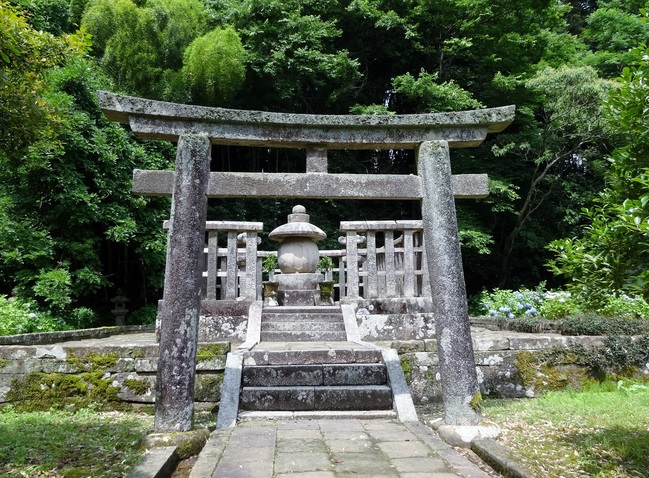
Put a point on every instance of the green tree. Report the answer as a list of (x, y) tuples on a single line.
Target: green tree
[(52, 16), (563, 142), (612, 252), (214, 67), (294, 58), (431, 96), (72, 228), (142, 47), (25, 54), (612, 31)]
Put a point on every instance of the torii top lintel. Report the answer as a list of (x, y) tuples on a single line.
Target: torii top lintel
[(168, 121)]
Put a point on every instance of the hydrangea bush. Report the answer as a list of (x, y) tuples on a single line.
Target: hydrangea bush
[(551, 305), (510, 304)]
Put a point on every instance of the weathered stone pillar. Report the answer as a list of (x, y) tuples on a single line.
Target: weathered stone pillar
[(174, 404), (460, 390)]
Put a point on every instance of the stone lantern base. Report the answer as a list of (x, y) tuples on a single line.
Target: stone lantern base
[(299, 289)]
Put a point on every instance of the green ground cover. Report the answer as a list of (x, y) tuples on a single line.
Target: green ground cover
[(600, 431), (64, 444)]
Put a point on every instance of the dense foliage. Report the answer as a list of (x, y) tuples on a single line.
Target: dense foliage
[(612, 253), (72, 233)]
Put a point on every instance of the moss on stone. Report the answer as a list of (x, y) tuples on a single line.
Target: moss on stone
[(555, 369), (3, 362), (187, 443), (93, 361), (93, 384), (407, 369), (476, 402), (207, 352), (139, 387), (208, 387), (41, 391), (136, 353)]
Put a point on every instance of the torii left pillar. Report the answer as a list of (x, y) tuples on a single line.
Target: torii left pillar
[(176, 376)]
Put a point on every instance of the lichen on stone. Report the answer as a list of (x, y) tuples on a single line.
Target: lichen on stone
[(136, 353), (187, 443)]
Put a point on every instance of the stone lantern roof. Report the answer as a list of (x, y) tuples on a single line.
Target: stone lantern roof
[(298, 225)]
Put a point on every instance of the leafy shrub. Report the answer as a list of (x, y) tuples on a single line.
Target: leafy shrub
[(553, 305), (595, 324), (19, 317), (270, 264), (325, 264), (557, 305), (619, 357), (82, 318), (626, 307), (54, 286), (143, 316)]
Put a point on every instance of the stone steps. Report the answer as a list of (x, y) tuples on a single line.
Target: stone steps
[(302, 324), (310, 325), (325, 379), (302, 336), (314, 375), (368, 397), (298, 317), (307, 356)]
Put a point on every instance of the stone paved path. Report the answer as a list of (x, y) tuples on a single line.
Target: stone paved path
[(331, 448)]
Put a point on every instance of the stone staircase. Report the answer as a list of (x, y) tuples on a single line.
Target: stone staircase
[(299, 324), (317, 377)]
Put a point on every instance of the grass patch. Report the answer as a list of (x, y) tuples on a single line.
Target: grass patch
[(601, 431), (62, 443)]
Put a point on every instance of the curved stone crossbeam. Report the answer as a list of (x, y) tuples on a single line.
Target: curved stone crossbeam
[(168, 121)]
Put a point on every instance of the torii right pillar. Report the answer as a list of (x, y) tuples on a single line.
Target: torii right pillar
[(460, 390)]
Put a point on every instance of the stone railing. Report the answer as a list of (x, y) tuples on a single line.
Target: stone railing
[(391, 264), (226, 275), (389, 256)]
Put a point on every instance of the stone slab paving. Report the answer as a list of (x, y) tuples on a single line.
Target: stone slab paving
[(330, 448)]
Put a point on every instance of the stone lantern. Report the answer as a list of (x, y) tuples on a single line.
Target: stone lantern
[(120, 309), (298, 258)]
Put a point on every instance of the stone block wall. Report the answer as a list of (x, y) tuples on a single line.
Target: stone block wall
[(125, 365), (118, 368), (394, 319), (497, 355)]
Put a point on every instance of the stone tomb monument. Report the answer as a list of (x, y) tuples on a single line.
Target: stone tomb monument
[(196, 128), (298, 257)]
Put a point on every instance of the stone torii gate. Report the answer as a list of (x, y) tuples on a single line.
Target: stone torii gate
[(196, 128)]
